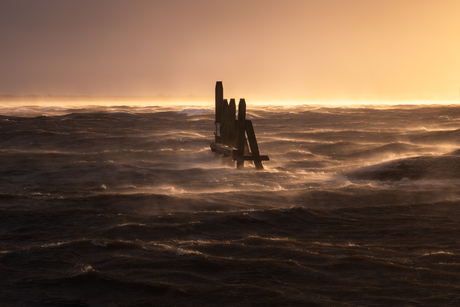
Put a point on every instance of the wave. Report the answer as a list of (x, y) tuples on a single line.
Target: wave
[(129, 206), (415, 168), (196, 111), (437, 137)]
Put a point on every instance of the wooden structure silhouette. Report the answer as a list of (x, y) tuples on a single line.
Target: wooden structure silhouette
[(230, 135)]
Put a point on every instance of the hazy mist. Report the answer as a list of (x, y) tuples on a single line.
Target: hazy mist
[(262, 50)]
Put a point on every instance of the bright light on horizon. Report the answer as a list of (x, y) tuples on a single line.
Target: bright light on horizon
[(74, 103), (362, 103)]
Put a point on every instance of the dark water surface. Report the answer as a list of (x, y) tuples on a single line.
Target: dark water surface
[(128, 206)]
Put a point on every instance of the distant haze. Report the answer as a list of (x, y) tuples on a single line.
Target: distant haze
[(261, 49)]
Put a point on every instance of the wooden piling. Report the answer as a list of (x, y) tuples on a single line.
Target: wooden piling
[(231, 129), (218, 104), (224, 125), (241, 137)]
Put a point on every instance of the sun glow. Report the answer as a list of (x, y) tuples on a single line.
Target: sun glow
[(38, 105), (301, 52)]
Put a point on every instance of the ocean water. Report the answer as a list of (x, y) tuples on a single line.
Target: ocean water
[(128, 206)]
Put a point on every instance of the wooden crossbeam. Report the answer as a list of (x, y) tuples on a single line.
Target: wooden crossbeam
[(233, 152), (251, 158)]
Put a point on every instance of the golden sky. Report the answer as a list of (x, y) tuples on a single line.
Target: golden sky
[(260, 49)]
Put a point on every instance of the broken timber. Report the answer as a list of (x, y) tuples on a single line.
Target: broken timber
[(230, 135)]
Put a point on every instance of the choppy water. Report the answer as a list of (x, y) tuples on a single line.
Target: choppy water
[(128, 206)]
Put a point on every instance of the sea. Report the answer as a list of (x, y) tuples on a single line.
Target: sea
[(128, 206)]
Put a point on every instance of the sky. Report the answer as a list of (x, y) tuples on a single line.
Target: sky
[(278, 50)]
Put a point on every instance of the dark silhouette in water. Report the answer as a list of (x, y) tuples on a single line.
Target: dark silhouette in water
[(230, 134)]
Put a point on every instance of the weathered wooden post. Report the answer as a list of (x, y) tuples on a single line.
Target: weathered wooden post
[(229, 123), (232, 132), (224, 124), (218, 122), (241, 135)]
